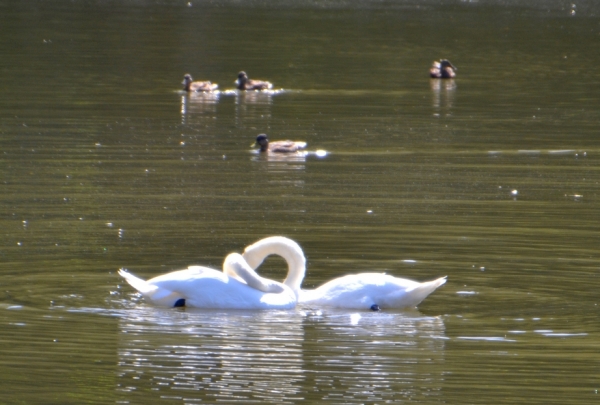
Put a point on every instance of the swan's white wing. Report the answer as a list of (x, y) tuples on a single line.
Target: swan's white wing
[(352, 291), (360, 291), (191, 273), (202, 287), (166, 289)]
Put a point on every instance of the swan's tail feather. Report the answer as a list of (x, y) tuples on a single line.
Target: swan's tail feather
[(141, 285), (158, 296), (421, 291)]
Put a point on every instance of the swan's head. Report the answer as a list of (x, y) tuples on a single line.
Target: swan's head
[(255, 254)]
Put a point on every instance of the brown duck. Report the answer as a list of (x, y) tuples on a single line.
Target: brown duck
[(244, 83), (442, 70), (278, 146), (190, 85)]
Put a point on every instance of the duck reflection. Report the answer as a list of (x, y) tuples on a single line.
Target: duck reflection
[(253, 108), (204, 103), (245, 98), (278, 356), (282, 161), (443, 94), (285, 169)]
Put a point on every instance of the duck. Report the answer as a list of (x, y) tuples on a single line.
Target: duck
[(237, 286), (278, 146), (190, 85), (367, 291), (244, 83), (442, 69)]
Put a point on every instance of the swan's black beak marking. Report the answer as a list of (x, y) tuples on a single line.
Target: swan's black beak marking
[(375, 307), (179, 303)]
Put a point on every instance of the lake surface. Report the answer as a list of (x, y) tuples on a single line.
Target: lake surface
[(491, 179)]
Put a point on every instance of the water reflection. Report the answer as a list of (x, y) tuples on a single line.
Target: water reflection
[(199, 103), (238, 355), (443, 94), (253, 109), (278, 356), (100, 143), (281, 161), (284, 171), (243, 99), (287, 168), (374, 357)]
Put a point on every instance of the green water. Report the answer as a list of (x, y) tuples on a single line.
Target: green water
[(490, 179)]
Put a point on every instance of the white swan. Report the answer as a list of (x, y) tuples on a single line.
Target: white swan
[(357, 291), (236, 287)]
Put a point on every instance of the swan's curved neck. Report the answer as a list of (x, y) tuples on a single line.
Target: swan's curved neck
[(284, 247)]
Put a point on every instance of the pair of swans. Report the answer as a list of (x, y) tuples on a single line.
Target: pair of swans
[(238, 286)]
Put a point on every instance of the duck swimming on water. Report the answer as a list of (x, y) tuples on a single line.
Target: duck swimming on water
[(278, 146), (442, 70), (190, 85), (244, 83)]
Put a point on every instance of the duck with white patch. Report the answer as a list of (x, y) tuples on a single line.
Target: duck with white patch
[(442, 70), (278, 146), (245, 83), (190, 85)]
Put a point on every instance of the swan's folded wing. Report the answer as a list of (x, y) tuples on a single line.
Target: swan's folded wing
[(366, 289)]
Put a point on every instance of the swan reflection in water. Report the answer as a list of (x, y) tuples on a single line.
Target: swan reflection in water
[(211, 355), (277, 357)]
